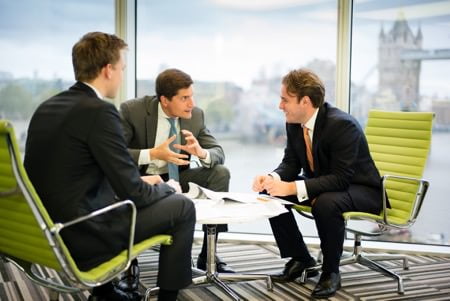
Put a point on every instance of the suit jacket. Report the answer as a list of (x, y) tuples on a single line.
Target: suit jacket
[(77, 159), (342, 161), (140, 119)]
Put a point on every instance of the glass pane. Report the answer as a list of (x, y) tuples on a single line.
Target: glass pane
[(401, 61), (236, 53), (36, 39)]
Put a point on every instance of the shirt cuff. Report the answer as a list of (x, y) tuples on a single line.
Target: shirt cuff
[(302, 194), (144, 157), (275, 176), (207, 161)]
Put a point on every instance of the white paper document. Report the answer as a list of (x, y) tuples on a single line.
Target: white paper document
[(228, 207), (198, 192)]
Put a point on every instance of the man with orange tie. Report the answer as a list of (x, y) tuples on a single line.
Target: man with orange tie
[(326, 164)]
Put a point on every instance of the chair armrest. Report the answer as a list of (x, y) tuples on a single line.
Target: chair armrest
[(420, 195), (59, 226), (304, 210)]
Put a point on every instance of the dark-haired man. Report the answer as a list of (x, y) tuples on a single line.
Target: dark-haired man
[(338, 175), (77, 159), (155, 143)]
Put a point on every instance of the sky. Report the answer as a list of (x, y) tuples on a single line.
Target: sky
[(218, 40)]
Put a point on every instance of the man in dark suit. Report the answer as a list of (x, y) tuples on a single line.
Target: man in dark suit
[(336, 174), (147, 129), (77, 159)]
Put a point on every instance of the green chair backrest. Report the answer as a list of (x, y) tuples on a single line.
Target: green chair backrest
[(22, 235), (399, 143)]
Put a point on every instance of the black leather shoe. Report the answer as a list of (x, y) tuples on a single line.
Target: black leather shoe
[(221, 267), (327, 286), (115, 294), (130, 279), (294, 269)]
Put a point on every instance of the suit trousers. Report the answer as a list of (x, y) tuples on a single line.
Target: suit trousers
[(173, 215), (327, 212)]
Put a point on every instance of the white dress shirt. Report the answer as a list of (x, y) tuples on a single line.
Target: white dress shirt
[(99, 95), (156, 166)]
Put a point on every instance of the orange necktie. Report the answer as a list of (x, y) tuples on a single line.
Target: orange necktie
[(309, 154)]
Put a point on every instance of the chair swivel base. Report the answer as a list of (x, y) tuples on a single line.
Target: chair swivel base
[(370, 262), (218, 280)]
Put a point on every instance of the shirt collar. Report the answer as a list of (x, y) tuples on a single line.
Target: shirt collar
[(99, 95), (312, 121)]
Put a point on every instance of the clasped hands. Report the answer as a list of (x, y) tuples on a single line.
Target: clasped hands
[(155, 179), (163, 151), (274, 187)]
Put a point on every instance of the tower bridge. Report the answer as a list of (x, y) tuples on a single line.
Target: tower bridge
[(425, 54)]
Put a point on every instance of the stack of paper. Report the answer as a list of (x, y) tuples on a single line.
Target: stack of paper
[(227, 207)]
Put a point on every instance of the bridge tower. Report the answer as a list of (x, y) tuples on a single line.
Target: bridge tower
[(397, 77)]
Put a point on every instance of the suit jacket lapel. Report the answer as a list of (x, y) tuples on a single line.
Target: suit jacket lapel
[(151, 120), (185, 124)]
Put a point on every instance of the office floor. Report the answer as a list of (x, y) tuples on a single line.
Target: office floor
[(427, 279)]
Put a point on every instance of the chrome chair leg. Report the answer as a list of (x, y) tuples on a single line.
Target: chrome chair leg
[(379, 268), (150, 292), (389, 257)]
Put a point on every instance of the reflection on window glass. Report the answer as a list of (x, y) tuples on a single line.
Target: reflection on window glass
[(401, 62), (36, 39), (236, 53)]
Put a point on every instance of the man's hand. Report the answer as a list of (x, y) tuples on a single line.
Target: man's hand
[(175, 185), (278, 188), (163, 152), (258, 182), (152, 180), (192, 146)]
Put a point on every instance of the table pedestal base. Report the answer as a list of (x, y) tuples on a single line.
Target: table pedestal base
[(211, 276)]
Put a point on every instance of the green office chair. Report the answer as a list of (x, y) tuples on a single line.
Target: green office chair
[(399, 143), (28, 236)]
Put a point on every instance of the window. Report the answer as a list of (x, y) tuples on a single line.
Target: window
[(401, 61), (36, 38), (236, 53)]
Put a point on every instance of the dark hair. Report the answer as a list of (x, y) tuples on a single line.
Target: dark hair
[(170, 81), (94, 51), (303, 82)]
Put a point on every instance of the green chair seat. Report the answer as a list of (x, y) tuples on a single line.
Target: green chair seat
[(114, 263)]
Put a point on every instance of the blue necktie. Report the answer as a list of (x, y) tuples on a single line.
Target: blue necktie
[(173, 168)]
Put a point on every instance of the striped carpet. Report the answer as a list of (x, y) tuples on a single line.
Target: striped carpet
[(427, 279)]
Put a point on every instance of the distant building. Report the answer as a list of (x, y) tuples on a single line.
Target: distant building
[(5, 76), (398, 77), (442, 109)]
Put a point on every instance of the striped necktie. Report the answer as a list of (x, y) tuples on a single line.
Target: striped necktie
[(308, 147)]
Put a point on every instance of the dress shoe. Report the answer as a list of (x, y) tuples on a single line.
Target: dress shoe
[(115, 294), (130, 279), (327, 286), (221, 267), (294, 269)]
